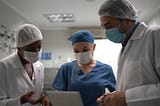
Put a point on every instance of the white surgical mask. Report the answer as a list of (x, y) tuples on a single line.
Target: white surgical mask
[(84, 57), (32, 57)]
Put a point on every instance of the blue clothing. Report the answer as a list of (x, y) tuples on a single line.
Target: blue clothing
[(82, 36), (90, 85)]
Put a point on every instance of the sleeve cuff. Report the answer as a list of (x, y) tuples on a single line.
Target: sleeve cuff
[(14, 102)]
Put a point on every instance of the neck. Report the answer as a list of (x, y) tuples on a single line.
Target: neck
[(85, 68), (132, 29), (91, 63)]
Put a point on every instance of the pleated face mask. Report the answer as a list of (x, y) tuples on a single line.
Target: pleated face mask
[(32, 57), (115, 35), (84, 57)]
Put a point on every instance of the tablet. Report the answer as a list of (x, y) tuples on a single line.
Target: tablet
[(65, 98)]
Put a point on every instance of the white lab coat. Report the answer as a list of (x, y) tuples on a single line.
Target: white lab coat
[(14, 81), (139, 68)]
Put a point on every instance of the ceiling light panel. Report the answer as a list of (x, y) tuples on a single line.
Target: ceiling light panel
[(60, 17)]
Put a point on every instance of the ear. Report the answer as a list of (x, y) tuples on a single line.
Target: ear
[(94, 46), (19, 50), (126, 24)]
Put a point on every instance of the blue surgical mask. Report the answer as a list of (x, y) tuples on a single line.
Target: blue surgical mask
[(115, 35)]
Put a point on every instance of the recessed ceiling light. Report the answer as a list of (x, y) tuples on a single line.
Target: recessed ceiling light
[(60, 17)]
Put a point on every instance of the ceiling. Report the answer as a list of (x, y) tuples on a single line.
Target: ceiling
[(85, 11)]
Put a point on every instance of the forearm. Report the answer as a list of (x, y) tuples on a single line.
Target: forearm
[(10, 102), (143, 95)]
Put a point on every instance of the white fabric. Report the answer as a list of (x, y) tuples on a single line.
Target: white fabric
[(118, 9), (14, 81), (139, 68), (27, 34)]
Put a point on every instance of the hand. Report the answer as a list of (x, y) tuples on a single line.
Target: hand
[(102, 99), (113, 99), (28, 98), (45, 101)]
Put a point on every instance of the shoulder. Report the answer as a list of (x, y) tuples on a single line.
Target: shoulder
[(11, 59), (39, 64), (68, 67), (69, 64), (153, 30), (100, 64)]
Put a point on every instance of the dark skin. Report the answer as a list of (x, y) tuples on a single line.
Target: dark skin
[(28, 98), (33, 47)]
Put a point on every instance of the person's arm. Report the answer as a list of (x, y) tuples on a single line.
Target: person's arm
[(110, 78), (149, 94), (146, 95), (17, 101), (10, 102), (60, 81), (44, 99), (4, 101)]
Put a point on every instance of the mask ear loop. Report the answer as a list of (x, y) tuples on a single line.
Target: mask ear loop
[(120, 24)]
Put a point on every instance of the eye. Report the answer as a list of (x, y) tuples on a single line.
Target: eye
[(85, 50), (33, 49), (76, 51), (108, 25)]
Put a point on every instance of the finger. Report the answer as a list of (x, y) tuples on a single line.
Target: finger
[(105, 100), (30, 93), (99, 99), (106, 94), (46, 103)]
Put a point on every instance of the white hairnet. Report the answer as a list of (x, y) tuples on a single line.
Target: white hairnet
[(118, 9), (27, 34)]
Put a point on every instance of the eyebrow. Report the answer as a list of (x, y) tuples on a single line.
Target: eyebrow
[(82, 48), (107, 23)]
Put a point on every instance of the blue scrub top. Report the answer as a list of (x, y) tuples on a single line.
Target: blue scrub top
[(90, 85)]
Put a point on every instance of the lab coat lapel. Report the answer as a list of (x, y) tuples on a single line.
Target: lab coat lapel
[(28, 80), (38, 77), (18, 65), (37, 71), (138, 33)]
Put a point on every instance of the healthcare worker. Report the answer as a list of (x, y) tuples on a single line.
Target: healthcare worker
[(21, 74), (138, 77), (86, 75)]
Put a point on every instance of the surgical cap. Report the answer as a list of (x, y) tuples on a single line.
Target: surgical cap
[(82, 36), (118, 9), (27, 34)]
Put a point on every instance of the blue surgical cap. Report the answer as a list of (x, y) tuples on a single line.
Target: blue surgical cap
[(82, 36)]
